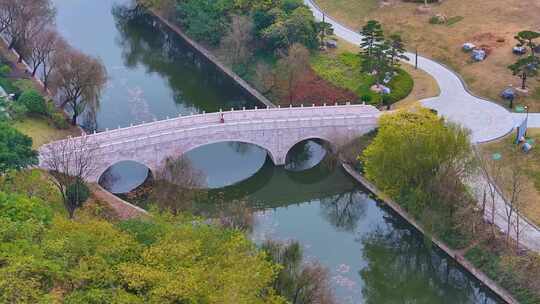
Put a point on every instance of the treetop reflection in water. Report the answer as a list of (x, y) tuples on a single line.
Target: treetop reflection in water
[(373, 255)]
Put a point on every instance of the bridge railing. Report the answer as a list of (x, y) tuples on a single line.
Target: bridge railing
[(234, 129), (250, 117), (235, 115)]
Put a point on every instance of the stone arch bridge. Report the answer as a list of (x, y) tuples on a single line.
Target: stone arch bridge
[(276, 130)]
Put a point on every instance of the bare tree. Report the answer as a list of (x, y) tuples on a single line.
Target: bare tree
[(292, 66), (8, 9), (79, 79), (491, 172), (29, 18), (41, 47), (69, 161), (238, 39), (177, 185), (512, 183), (53, 59), (265, 78)]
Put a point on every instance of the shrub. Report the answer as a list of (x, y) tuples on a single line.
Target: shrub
[(59, 121), (76, 195), (24, 84), (33, 101), (17, 111), (401, 86), (9, 87), (5, 70)]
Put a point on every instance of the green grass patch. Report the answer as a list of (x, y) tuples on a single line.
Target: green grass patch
[(344, 71), (40, 130)]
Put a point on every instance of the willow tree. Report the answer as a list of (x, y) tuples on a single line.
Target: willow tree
[(79, 79)]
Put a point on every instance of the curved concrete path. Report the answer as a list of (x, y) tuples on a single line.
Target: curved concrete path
[(486, 120)]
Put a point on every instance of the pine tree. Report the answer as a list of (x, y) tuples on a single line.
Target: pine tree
[(372, 38), (396, 50)]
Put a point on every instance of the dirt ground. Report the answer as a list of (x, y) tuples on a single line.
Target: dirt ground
[(490, 23), (531, 161)]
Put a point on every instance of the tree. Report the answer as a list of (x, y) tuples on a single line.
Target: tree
[(16, 151), (297, 282), (238, 39), (30, 17), (76, 195), (420, 160), (292, 23), (41, 48), (291, 67), (178, 185), (528, 66), (53, 57), (7, 14), (79, 78), (324, 29), (70, 161), (512, 183), (528, 39), (240, 274), (372, 37), (524, 68), (396, 50), (381, 62)]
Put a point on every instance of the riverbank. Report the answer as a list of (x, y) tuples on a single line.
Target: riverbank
[(210, 57), (457, 256)]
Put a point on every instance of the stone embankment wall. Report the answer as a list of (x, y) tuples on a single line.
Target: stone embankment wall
[(457, 256), (228, 72)]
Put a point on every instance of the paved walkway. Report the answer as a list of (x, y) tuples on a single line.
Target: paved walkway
[(486, 120)]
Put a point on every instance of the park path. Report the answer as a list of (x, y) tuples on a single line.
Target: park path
[(486, 120)]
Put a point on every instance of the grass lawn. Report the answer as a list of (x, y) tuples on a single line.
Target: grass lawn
[(41, 131), (531, 193), (484, 22)]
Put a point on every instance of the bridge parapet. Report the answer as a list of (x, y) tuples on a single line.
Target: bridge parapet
[(274, 129)]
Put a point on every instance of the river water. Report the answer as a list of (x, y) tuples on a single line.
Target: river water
[(373, 255)]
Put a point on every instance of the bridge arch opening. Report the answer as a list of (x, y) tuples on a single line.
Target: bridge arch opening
[(124, 176), (228, 162), (308, 153)]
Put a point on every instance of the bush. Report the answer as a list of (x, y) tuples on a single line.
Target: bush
[(17, 111), (77, 193), (34, 102), (24, 84), (401, 86), (5, 70), (59, 121), (9, 87)]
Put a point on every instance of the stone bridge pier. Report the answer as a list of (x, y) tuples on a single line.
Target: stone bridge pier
[(276, 130)]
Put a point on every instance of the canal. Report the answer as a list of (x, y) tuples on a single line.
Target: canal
[(372, 254)]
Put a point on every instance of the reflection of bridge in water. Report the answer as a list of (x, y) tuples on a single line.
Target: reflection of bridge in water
[(273, 187), (275, 129)]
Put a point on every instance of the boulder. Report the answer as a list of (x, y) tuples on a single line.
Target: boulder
[(331, 43), (519, 50), (468, 46), (479, 55)]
